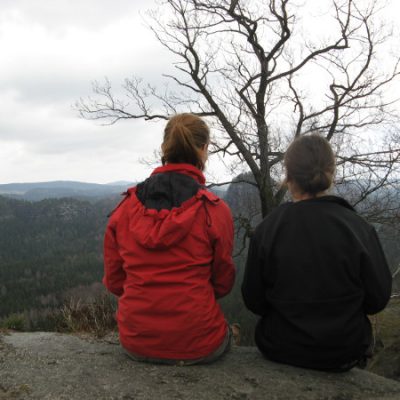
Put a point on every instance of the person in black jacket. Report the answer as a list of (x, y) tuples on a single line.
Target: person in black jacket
[(315, 270)]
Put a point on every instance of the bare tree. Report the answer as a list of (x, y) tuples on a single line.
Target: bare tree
[(265, 72)]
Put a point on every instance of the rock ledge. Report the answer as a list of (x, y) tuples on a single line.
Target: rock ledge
[(51, 366)]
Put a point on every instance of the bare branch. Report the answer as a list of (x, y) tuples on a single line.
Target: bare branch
[(264, 79)]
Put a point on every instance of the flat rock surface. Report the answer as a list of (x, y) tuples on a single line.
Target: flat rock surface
[(57, 366)]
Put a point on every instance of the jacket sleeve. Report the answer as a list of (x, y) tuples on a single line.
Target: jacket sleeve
[(376, 276), (222, 268), (114, 274), (253, 288)]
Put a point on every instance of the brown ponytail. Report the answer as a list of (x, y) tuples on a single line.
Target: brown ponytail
[(184, 139), (310, 164)]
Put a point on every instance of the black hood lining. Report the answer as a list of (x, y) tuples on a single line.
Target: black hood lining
[(166, 190)]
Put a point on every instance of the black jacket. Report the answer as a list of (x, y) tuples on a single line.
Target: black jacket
[(315, 269)]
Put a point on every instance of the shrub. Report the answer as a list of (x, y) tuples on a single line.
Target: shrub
[(96, 317), (15, 322)]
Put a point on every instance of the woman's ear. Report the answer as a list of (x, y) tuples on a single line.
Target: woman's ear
[(292, 187), (204, 151)]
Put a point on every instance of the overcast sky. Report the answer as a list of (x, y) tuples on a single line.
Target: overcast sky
[(51, 51)]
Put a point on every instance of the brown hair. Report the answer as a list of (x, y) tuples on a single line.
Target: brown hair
[(184, 138), (310, 164)]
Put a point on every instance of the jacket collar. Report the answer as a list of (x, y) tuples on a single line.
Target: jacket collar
[(182, 168), (329, 199)]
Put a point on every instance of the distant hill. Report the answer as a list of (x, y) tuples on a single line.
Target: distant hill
[(37, 191), (120, 183)]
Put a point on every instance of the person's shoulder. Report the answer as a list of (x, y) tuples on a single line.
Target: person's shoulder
[(209, 195), (337, 208), (322, 204), (278, 211), (336, 201), (342, 206), (274, 216), (127, 197), (218, 205)]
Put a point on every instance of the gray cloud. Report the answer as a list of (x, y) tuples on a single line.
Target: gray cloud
[(51, 51), (60, 15)]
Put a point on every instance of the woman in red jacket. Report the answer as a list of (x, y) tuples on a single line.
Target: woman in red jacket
[(167, 256)]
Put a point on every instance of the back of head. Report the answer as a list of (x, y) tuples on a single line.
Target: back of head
[(310, 164), (184, 139)]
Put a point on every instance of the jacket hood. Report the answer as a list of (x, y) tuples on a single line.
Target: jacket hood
[(184, 169), (167, 204)]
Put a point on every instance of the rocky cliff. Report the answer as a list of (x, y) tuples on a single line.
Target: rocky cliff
[(50, 366)]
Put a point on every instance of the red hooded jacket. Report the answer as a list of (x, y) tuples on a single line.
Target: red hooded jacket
[(167, 256)]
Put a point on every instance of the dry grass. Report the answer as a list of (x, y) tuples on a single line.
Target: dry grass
[(96, 317), (386, 360), (386, 324)]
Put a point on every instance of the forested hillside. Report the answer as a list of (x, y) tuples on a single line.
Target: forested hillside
[(51, 250), (48, 247)]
